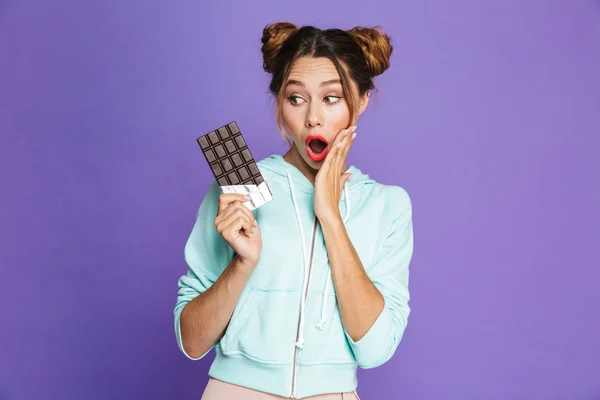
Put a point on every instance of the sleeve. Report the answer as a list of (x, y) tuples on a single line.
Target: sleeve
[(207, 254), (390, 275)]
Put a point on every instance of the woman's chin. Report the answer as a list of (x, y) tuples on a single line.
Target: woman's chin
[(315, 159), (314, 164), (302, 154)]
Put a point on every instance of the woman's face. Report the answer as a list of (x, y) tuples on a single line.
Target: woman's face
[(314, 109)]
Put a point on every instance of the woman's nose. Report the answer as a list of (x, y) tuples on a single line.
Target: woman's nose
[(314, 117)]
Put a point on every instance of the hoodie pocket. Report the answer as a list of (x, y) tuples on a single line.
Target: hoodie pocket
[(328, 345), (264, 328)]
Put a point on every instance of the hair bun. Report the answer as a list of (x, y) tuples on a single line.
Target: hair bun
[(376, 47), (273, 37)]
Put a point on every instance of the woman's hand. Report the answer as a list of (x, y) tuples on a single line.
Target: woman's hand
[(331, 178), (236, 223)]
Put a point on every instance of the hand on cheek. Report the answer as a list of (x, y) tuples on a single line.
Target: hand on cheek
[(331, 178)]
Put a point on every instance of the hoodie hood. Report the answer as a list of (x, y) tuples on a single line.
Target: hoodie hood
[(276, 164)]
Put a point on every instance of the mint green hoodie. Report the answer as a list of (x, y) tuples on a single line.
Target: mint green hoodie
[(275, 341)]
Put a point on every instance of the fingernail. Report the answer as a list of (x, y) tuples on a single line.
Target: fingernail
[(255, 223), (248, 197), (339, 145), (353, 135), (346, 132)]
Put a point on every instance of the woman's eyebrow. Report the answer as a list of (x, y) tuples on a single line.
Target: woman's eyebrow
[(326, 83), (331, 82)]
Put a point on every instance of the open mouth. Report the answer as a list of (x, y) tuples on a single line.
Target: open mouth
[(316, 147)]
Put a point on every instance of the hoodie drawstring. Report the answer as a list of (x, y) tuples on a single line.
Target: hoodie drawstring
[(300, 342)]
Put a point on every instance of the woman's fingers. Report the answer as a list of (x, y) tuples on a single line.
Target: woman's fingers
[(341, 150), (228, 198), (345, 148), (234, 209), (230, 227), (334, 151)]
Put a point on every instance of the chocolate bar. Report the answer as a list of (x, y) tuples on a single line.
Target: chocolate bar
[(233, 166)]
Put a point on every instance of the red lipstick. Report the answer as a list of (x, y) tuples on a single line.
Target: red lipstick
[(316, 156)]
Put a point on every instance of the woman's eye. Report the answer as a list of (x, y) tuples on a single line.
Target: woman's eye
[(332, 99), (295, 100)]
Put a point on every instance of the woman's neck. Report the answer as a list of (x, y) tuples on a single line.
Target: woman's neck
[(293, 157)]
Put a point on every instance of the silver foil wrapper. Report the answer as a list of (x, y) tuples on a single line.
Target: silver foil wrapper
[(259, 194)]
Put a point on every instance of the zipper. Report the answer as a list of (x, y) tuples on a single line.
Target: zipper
[(304, 296)]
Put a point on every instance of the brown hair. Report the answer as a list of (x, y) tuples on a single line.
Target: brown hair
[(359, 54)]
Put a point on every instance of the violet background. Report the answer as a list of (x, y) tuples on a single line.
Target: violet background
[(489, 117)]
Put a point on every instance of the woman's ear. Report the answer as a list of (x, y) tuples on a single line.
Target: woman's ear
[(364, 102)]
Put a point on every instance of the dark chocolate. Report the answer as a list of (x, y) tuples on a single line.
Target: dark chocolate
[(228, 156)]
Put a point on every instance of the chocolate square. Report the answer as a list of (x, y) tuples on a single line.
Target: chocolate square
[(223, 132), (230, 146), (227, 166), (237, 160)]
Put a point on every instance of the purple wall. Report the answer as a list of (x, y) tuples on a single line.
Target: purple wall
[(489, 117)]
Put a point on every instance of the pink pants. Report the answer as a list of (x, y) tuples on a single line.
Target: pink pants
[(219, 390)]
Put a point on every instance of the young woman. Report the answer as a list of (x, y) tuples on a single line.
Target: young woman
[(297, 294)]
